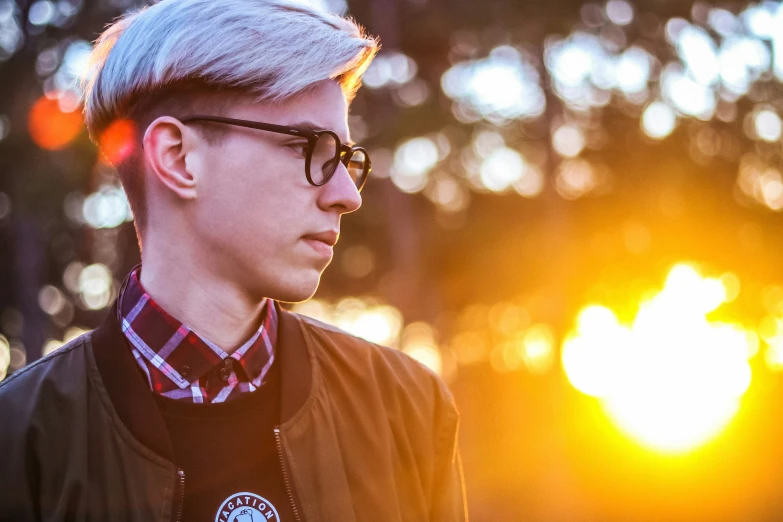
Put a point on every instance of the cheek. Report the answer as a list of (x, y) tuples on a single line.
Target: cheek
[(258, 196), (236, 175)]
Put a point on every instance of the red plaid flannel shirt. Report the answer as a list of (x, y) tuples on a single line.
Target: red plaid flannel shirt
[(180, 364)]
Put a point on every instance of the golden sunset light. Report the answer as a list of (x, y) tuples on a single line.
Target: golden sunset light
[(672, 379)]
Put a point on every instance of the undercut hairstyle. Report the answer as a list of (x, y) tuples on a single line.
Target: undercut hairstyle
[(178, 57)]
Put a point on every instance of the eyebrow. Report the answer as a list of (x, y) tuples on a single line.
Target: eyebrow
[(310, 126)]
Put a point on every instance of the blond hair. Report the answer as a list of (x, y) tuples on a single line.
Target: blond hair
[(270, 49)]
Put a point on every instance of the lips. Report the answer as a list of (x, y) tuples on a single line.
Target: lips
[(329, 237), (322, 242)]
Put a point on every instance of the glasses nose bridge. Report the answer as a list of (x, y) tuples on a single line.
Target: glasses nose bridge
[(341, 154), (345, 153)]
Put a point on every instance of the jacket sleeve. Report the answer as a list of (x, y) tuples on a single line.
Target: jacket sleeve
[(449, 503), (17, 484)]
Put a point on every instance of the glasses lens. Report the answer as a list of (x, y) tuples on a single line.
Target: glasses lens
[(324, 159), (357, 167)]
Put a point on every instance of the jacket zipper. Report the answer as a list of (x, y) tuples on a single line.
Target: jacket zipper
[(181, 503), (287, 484)]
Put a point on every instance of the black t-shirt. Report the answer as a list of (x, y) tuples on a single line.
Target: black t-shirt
[(229, 455)]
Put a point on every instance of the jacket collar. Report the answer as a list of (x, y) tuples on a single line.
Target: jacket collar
[(133, 400)]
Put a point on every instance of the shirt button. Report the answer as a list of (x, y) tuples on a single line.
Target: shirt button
[(225, 373), (184, 371)]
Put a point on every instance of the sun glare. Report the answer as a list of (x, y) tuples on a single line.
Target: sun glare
[(673, 379)]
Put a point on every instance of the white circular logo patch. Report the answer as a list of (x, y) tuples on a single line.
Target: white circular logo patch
[(246, 507)]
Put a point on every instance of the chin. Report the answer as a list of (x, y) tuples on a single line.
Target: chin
[(295, 290)]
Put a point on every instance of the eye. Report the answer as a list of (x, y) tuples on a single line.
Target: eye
[(298, 147)]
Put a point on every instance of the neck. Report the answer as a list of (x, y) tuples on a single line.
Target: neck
[(215, 308)]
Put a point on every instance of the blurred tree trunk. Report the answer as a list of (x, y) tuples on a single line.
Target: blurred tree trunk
[(30, 270)]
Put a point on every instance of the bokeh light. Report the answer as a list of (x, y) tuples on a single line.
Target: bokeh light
[(333, 6), (5, 356), (672, 379), (118, 141), (761, 182), (538, 348), (95, 286), (767, 125), (577, 178), (71, 333), (51, 299), (11, 36), (17, 354), (381, 324), (412, 93), (502, 87), (699, 54), (418, 341), (743, 61), (50, 127), (568, 140), (413, 160), (501, 169), (532, 182), (619, 12), (363, 317), (357, 261), (658, 120), (41, 12), (75, 63), (106, 208), (449, 194), (390, 69), (633, 69), (688, 96)]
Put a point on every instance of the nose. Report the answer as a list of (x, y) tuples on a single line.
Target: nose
[(340, 192)]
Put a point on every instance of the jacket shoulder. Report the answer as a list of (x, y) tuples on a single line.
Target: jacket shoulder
[(376, 365), (46, 367), (55, 379), (360, 349)]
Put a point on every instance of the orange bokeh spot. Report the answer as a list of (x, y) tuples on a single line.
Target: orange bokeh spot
[(118, 141), (50, 127)]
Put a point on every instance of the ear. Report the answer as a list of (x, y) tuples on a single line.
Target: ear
[(167, 142)]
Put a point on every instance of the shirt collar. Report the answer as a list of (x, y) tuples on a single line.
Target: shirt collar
[(180, 353)]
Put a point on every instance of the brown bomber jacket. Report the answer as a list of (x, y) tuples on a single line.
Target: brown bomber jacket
[(366, 433)]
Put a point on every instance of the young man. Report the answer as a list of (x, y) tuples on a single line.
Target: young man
[(199, 398)]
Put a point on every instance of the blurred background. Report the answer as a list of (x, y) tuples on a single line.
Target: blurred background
[(574, 218)]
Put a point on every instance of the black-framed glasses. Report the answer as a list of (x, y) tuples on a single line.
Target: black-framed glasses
[(324, 150)]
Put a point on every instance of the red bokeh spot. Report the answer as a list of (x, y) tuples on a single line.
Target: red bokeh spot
[(118, 141), (50, 127)]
